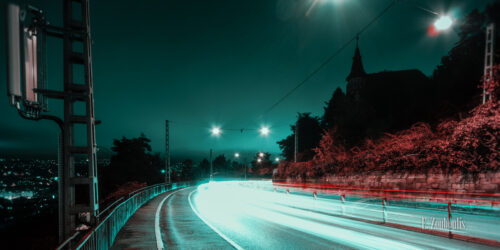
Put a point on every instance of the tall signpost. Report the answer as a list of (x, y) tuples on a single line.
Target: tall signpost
[(28, 92)]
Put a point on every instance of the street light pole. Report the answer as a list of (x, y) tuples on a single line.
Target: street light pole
[(211, 165), (296, 148), (237, 156), (167, 152)]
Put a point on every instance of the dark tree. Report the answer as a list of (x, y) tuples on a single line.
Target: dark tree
[(309, 136), (287, 145), (203, 170), (187, 172), (263, 162), (221, 165), (459, 74), (262, 166), (335, 111), (132, 161)]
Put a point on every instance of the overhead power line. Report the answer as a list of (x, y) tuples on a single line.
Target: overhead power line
[(204, 126), (322, 65)]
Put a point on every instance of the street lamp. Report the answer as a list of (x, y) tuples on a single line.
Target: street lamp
[(264, 131), (443, 23), (237, 156), (261, 154), (216, 131), (277, 159), (259, 160)]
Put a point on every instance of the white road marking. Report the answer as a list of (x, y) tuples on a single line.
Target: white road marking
[(159, 241), (234, 244)]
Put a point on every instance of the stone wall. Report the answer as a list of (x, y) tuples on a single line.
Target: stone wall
[(478, 189)]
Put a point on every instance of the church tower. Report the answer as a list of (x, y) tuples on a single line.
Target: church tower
[(356, 79), (357, 69)]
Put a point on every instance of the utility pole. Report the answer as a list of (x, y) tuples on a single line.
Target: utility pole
[(211, 165), (28, 28), (488, 60), (167, 152), (296, 147), (76, 34)]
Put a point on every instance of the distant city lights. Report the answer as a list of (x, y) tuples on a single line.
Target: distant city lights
[(9, 195)]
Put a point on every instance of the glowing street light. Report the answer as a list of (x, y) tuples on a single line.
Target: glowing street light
[(216, 131), (277, 159), (443, 23), (261, 154), (237, 155), (259, 160), (264, 131)]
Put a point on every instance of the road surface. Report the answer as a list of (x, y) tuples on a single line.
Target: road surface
[(228, 215)]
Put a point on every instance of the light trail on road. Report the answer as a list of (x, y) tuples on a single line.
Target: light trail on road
[(252, 216), (234, 244)]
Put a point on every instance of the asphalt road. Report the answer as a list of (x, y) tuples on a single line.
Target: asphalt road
[(228, 215), (168, 221)]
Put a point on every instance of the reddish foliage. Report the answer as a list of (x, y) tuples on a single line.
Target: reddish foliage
[(123, 190), (469, 145)]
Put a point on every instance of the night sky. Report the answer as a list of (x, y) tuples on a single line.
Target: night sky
[(200, 63)]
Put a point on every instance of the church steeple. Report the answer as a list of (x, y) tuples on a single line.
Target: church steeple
[(357, 69)]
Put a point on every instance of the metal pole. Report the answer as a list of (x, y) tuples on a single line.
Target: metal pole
[(167, 152), (449, 220), (342, 199), (77, 32), (384, 209), (296, 148), (246, 167), (488, 59), (211, 167), (60, 179)]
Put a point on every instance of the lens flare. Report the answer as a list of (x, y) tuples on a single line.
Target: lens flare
[(443, 23), (216, 131)]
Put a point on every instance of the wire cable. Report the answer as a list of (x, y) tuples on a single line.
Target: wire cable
[(330, 58)]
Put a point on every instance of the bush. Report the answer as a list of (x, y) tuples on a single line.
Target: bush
[(469, 145)]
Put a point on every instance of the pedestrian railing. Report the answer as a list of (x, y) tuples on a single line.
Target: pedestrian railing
[(103, 235)]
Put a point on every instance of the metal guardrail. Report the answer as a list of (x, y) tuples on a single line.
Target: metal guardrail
[(103, 235), (67, 241)]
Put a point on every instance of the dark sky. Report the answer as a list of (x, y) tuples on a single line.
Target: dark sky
[(201, 63)]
